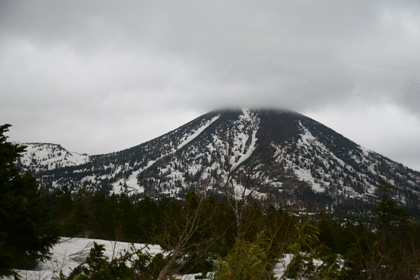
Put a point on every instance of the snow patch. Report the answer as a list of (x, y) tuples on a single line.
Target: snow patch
[(68, 253), (306, 176)]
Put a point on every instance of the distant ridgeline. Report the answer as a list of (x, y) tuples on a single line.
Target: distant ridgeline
[(279, 157)]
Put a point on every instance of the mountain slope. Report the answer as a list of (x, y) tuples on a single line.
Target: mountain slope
[(292, 159), (45, 156)]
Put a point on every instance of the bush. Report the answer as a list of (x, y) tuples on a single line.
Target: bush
[(27, 231), (247, 260)]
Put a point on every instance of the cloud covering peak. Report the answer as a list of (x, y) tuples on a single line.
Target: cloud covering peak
[(98, 66)]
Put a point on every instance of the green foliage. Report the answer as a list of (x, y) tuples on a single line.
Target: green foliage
[(26, 228), (391, 219), (311, 259), (247, 240), (388, 251), (246, 261), (322, 247), (394, 253)]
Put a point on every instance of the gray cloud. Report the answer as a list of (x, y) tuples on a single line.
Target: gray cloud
[(124, 72)]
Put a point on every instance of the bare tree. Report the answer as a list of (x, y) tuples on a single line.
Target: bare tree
[(189, 228)]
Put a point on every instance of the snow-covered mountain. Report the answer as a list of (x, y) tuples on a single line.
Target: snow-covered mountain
[(41, 157), (279, 155)]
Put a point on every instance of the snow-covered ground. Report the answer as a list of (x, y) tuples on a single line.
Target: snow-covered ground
[(70, 252)]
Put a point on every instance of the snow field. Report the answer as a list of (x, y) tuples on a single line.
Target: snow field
[(68, 253)]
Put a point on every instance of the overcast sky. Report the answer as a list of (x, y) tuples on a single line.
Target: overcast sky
[(101, 76)]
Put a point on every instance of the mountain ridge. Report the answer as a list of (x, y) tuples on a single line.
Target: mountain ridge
[(45, 156), (310, 159)]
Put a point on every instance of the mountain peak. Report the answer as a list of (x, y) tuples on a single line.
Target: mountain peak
[(41, 157), (297, 157)]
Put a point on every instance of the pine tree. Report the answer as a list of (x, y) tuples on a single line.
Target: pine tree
[(390, 218), (26, 229)]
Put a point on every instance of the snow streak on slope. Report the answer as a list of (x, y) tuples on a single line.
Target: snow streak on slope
[(131, 184), (243, 149), (194, 135)]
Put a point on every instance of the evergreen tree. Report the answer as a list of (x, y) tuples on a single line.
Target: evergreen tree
[(391, 219), (26, 229)]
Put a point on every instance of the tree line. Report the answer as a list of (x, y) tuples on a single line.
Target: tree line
[(387, 249), (221, 237)]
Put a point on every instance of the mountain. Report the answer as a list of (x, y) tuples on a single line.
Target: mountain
[(276, 155), (40, 157)]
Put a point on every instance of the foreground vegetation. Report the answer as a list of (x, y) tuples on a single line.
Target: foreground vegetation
[(220, 238), (27, 230), (202, 235)]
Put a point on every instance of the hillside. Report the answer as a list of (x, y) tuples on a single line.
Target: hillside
[(282, 156)]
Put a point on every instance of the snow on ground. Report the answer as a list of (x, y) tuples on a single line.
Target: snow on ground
[(70, 252)]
